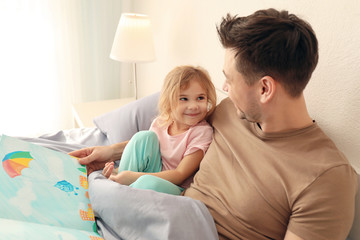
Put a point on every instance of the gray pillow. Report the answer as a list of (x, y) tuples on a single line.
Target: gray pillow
[(121, 124)]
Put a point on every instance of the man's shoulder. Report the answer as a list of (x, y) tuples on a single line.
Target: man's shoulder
[(225, 104), (223, 111), (326, 148)]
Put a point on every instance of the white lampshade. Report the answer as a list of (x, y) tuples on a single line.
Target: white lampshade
[(133, 40)]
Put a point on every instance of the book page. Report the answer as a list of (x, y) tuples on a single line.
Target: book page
[(43, 186)]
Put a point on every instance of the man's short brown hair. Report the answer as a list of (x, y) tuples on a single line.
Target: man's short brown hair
[(272, 43)]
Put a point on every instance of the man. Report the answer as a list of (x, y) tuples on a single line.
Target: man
[(277, 174), (271, 172)]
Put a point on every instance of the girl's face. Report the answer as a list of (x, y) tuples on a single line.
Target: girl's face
[(191, 107)]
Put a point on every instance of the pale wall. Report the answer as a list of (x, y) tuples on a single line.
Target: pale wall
[(184, 32)]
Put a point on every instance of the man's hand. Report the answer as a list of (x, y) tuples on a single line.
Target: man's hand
[(94, 157)]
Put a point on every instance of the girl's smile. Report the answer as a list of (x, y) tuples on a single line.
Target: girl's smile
[(191, 108)]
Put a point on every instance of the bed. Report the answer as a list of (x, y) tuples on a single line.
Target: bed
[(105, 197), (112, 127)]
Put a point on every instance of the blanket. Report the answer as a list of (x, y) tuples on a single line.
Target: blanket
[(123, 212)]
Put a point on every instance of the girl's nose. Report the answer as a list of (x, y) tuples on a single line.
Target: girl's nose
[(193, 105)]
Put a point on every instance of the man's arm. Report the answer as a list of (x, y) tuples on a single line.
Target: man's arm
[(325, 209), (95, 157)]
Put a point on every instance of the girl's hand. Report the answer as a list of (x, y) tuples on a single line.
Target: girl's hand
[(108, 169)]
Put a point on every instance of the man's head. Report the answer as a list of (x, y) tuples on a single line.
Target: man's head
[(271, 43)]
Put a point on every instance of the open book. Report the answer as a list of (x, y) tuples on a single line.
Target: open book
[(43, 194)]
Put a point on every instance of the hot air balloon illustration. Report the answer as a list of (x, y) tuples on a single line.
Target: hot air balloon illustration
[(15, 162)]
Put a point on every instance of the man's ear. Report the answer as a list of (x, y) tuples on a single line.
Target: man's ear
[(267, 87)]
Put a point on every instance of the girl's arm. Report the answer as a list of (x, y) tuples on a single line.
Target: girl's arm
[(187, 167)]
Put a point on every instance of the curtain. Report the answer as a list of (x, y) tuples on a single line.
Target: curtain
[(54, 53)]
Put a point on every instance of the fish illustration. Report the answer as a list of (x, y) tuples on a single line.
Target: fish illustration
[(66, 187)]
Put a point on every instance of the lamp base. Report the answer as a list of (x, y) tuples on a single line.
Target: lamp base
[(135, 80)]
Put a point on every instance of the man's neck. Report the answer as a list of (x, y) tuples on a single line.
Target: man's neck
[(286, 116)]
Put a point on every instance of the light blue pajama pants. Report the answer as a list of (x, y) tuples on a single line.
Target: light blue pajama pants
[(142, 154)]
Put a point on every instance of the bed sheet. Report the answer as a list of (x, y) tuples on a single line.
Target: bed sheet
[(70, 139)]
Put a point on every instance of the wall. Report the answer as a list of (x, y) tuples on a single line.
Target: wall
[(55, 53), (184, 32), (91, 34)]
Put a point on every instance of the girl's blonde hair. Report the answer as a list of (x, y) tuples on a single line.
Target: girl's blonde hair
[(177, 79)]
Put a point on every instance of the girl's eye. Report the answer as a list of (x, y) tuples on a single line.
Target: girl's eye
[(201, 98), (183, 99)]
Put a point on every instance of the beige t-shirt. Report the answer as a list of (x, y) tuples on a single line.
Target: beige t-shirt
[(257, 185)]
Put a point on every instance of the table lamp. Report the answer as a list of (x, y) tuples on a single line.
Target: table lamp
[(133, 41)]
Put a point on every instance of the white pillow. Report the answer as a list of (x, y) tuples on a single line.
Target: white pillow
[(121, 124)]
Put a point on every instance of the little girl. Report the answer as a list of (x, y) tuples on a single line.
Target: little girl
[(166, 157)]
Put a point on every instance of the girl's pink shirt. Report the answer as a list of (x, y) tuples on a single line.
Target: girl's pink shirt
[(174, 148)]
